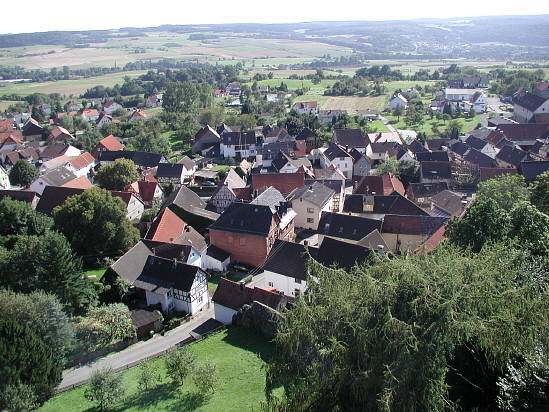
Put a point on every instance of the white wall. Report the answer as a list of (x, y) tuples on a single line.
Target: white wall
[(223, 314), (210, 263), (135, 209), (283, 283), (300, 207)]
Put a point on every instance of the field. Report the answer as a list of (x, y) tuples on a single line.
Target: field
[(68, 87), (427, 125), (240, 356)]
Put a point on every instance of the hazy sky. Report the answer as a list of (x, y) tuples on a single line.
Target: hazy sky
[(40, 15)]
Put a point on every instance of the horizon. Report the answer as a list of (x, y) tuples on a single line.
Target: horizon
[(106, 16)]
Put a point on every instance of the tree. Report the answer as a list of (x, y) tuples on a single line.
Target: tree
[(22, 173), (113, 323), (96, 224), (47, 263), (408, 172), (293, 125), (18, 397), (41, 312), (212, 116), (388, 166), (539, 193), (179, 363), (180, 97), (105, 388), (26, 359), (531, 228), (117, 175), (383, 337), (454, 129), (19, 218), (148, 376), (506, 190), (206, 378), (484, 221)]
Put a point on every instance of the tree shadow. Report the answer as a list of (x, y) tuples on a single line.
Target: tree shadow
[(250, 340), (150, 397), (189, 401)]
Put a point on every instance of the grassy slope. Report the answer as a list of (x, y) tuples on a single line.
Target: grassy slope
[(239, 355)]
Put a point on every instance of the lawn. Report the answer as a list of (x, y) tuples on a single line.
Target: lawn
[(240, 356), (427, 125), (98, 273)]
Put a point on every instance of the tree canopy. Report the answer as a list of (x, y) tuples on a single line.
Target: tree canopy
[(506, 190), (540, 192), (22, 173), (117, 175), (95, 223), (19, 218)]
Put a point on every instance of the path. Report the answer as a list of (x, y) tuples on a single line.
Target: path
[(135, 353), (387, 124)]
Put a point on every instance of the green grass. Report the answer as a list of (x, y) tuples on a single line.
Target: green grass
[(220, 168), (427, 125), (240, 356), (378, 126), (98, 273)]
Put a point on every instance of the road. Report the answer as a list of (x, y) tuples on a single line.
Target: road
[(135, 353)]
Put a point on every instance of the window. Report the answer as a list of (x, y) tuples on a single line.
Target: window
[(310, 210), (200, 299), (298, 281), (242, 242), (310, 220), (169, 293), (271, 285)]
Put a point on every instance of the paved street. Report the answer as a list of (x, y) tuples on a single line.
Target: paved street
[(137, 352)]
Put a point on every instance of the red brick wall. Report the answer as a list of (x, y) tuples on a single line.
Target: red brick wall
[(248, 249)]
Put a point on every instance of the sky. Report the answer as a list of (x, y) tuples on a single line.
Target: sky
[(40, 15)]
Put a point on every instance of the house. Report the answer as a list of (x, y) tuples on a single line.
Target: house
[(4, 179), (345, 227), (328, 116), (248, 231), (205, 138), (54, 196), (137, 115), (147, 191), (170, 173), (169, 228), (531, 170), (336, 156), (218, 93), (310, 138), (460, 95), (447, 204), (378, 185), (421, 193), (230, 296), (282, 163), (190, 168), (398, 100), (377, 206), (154, 100), (134, 206), (482, 145), (240, 145), (10, 142), (227, 192), (269, 151), (102, 120), (58, 149), (6, 125), (434, 171), (32, 129), (309, 202), (81, 182), (524, 135), (83, 164), (469, 82), (72, 106), (432, 156), (510, 156), (144, 160), (476, 157), (381, 151), (439, 144), (21, 195), (487, 173), (362, 165), (306, 108), (496, 121), (146, 322), (216, 260), (55, 177), (91, 115), (174, 285), (107, 144), (59, 134), (54, 163), (283, 182), (233, 90), (402, 232), (527, 105), (351, 138), (111, 107), (183, 200)]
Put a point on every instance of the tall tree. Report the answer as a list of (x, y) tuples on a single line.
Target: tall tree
[(96, 224), (22, 173), (19, 218), (117, 175), (105, 388), (540, 192), (506, 190), (180, 97), (531, 228), (179, 363), (26, 359)]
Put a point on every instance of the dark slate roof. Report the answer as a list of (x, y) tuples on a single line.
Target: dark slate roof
[(342, 254), (416, 146), (459, 148), (392, 204), (305, 134), (234, 295), (481, 133), (280, 160), (475, 142), (436, 170), (355, 154), (143, 159), (350, 138), (217, 254), (531, 170), (53, 196), (448, 201), (417, 190), (334, 151), (142, 317), (523, 131), (529, 101), (316, 193), (168, 250), (334, 184), (238, 138), (245, 218), (54, 150), (354, 204), (270, 197), (159, 275), (412, 225), (435, 156), (170, 170), (383, 147), (184, 198), (288, 259), (487, 173), (511, 155), (480, 159), (271, 150), (436, 144), (21, 195), (345, 226)]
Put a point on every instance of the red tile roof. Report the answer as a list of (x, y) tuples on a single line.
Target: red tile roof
[(111, 143), (125, 196), (6, 125), (81, 182), (491, 172), (84, 160), (166, 227), (147, 189), (283, 182)]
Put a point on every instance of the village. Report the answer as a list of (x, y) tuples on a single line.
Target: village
[(225, 233)]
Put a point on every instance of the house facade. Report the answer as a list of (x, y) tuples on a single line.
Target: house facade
[(308, 202)]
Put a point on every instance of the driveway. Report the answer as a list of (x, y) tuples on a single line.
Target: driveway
[(138, 352), (386, 123)]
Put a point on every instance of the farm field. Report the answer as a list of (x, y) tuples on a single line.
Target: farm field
[(68, 87), (240, 356)]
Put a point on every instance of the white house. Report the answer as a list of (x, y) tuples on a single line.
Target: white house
[(238, 145), (306, 108), (174, 285), (4, 179), (528, 105), (82, 165), (134, 205), (55, 177), (336, 156), (308, 202), (103, 119), (111, 107), (216, 260), (398, 100)]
